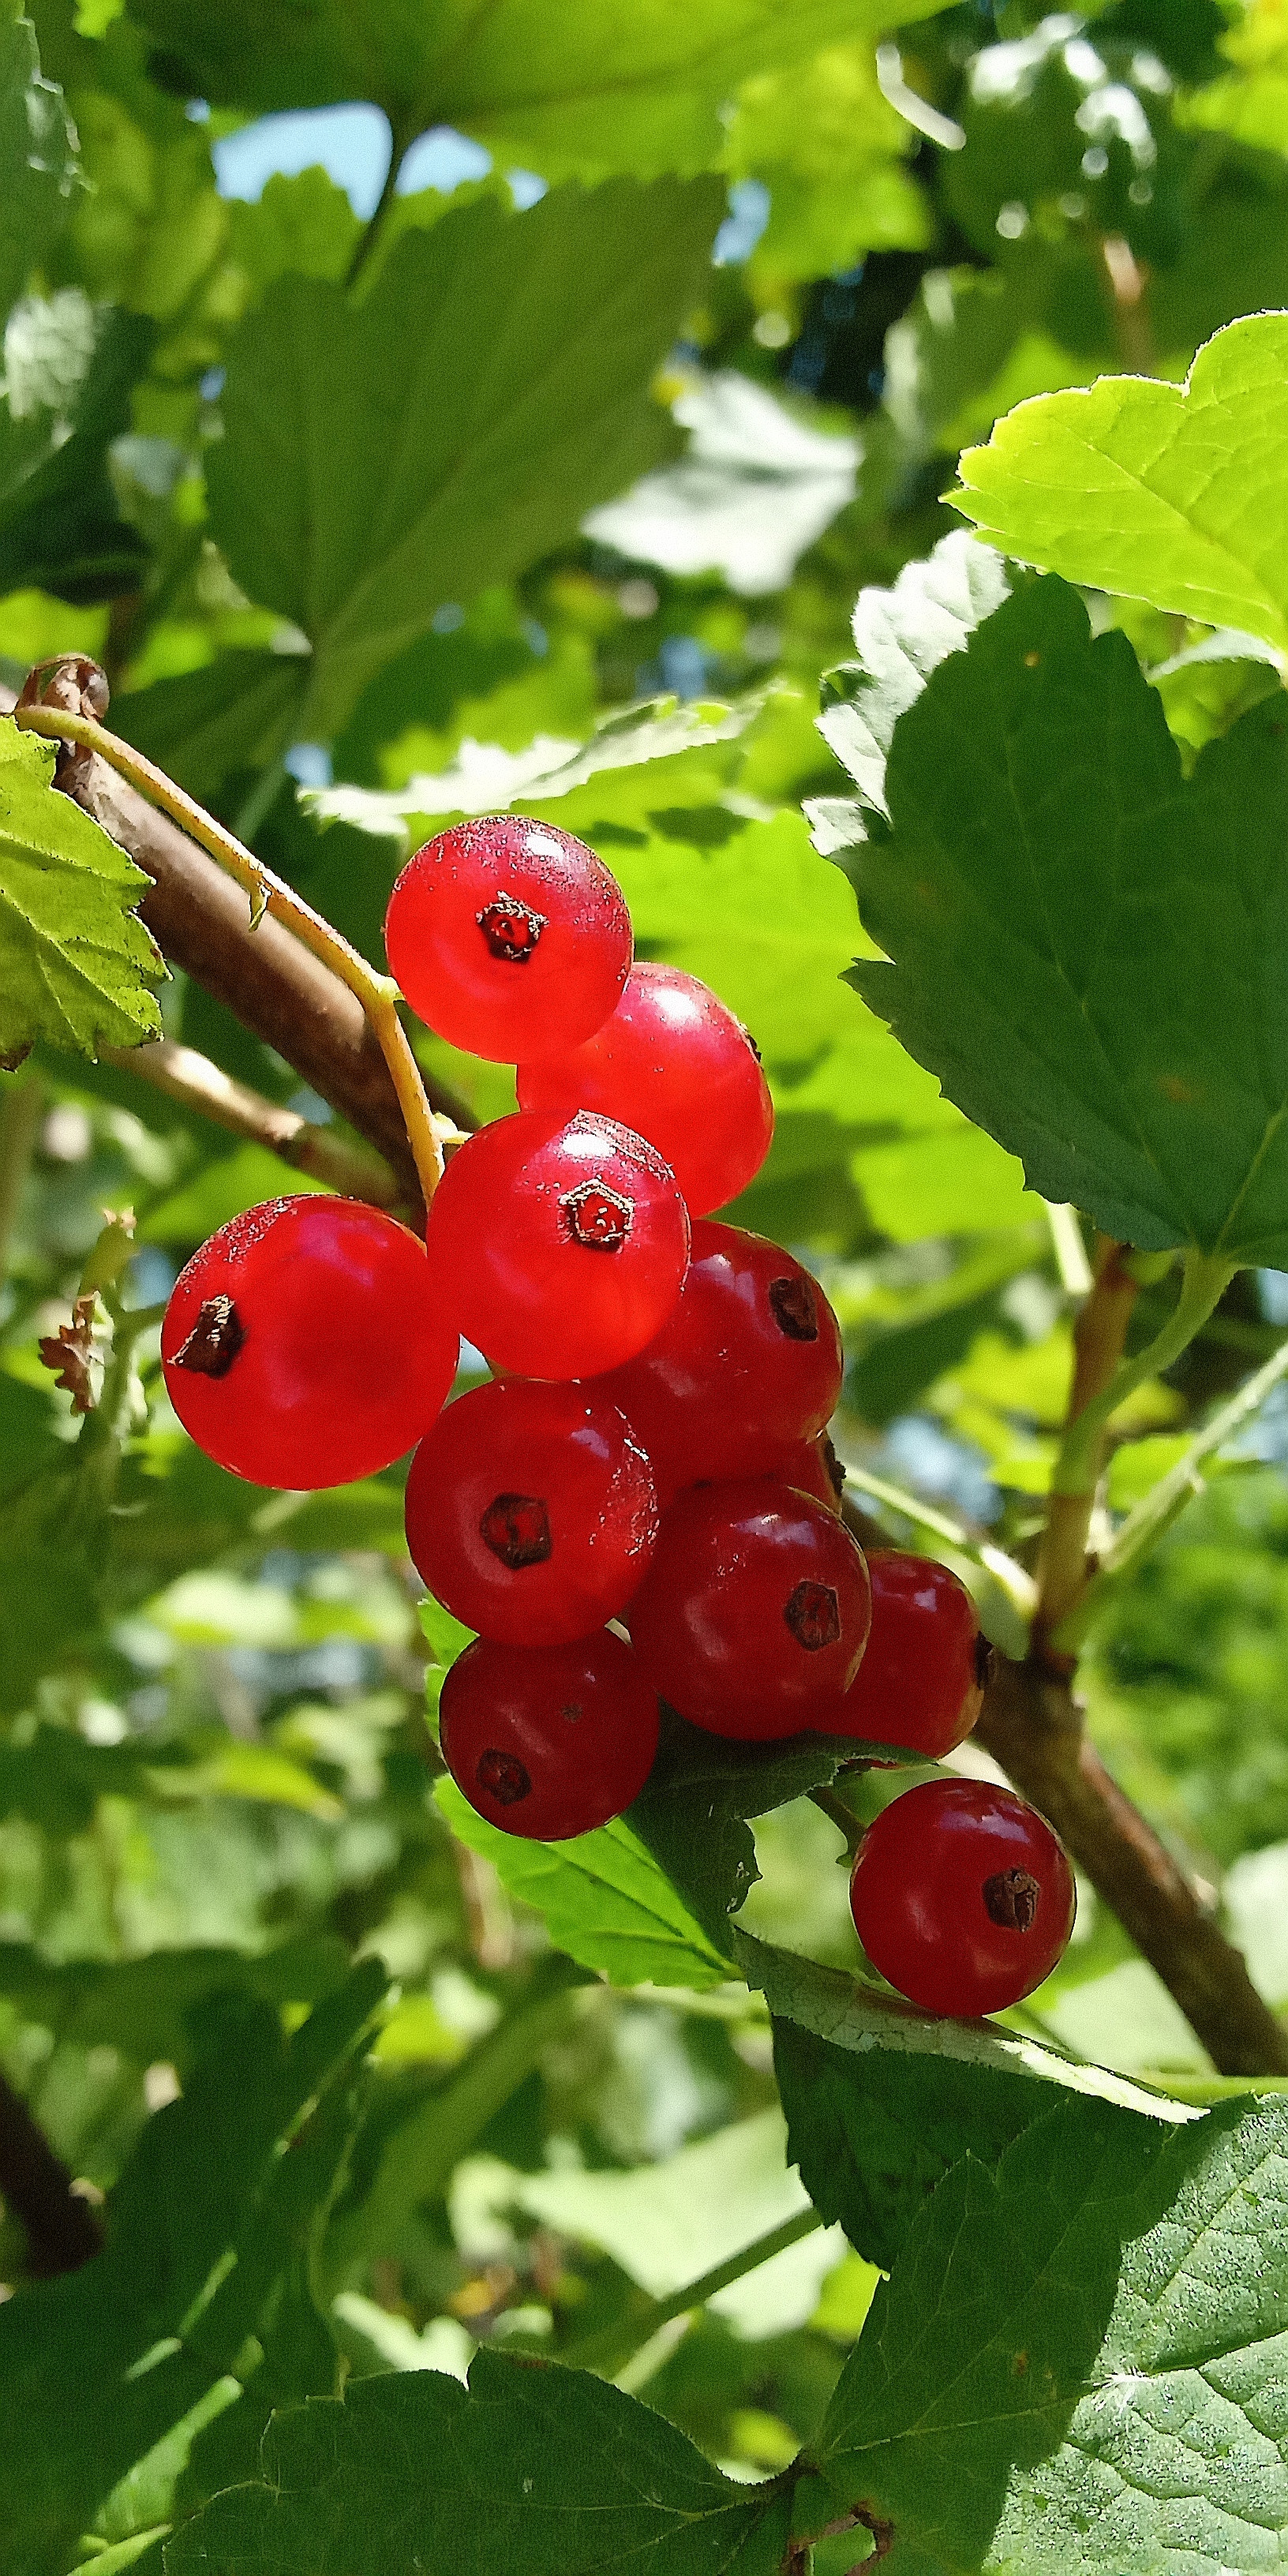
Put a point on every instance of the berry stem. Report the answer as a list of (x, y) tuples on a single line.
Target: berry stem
[(268, 893), (608, 2350)]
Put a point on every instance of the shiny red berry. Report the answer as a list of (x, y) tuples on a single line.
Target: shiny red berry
[(754, 1612), (508, 937), (549, 1741), (921, 1681), (962, 1897), (306, 1344), (558, 1247), (749, 1363), (812, 1467), (677, 1066), (531, 1512)]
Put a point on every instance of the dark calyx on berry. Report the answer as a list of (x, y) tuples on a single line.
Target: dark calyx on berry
[(215, 1339), (813, 1614), (598, 1217), (510, 928), (516, 1527), (795, 1309), (503, 1777), (1011, 1900)]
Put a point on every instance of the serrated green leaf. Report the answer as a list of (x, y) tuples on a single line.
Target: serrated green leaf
[(536, 2468), (1176, 495), (383, 458), (38, 173), (69, 372), (1076, 2363), (75, 964), (605, 1901), (1086, 948), (579, 89), (693, 1811), (96, 2368)]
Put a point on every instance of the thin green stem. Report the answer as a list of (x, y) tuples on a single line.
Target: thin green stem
[(378, 994), (399, 141), (1204, 1282), (609, 2350), (832, 1805), (1166, 1500), (21, 1103)]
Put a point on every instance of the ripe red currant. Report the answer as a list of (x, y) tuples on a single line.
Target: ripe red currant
[(754, 1612), (962, 1896), (812, 1467), (921, 1682), (676, 1066), (508, 937), (558, 1248), (549, 1741), (305, 1344), (749, 1363), (531, 1512)]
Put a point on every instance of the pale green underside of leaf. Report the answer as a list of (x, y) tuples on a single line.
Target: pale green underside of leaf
[(836, 2008), (1079, 2363), (383, 458), (605, 1901), (76, 966), (1087, 949), (1178, 496), (582, 88), (536, 2469)]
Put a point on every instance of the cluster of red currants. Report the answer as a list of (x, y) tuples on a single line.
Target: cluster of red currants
[(642, 1504)]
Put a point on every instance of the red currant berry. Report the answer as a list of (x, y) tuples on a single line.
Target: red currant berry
[(305, 1344), (754, 1612), (549, 1741), (921, 1682), (508, 937), (812, 1467), (559, 1248), (677, 1066), (749, 1364), (962, 1896), (531, 1512)]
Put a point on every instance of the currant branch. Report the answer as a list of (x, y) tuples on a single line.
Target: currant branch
[(378, 994)]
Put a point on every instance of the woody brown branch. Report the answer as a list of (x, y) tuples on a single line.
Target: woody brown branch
[(61, 2227), (200, 921)]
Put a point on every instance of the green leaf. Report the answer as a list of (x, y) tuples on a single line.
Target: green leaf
[(692, 1812), (96, 2368), (75, 964), (1085, 948), (578, 89), (1076, 2362), (1171, 494), (236, 714), (822, 138), (154, 2008), (383, 458), (69, 372), (38, 173), (605, 1901), (536, 2468)]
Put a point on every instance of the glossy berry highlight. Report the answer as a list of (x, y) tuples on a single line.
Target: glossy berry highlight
[(305, 1344), (749, 1364), (549, 1741), (673, 1063), (921, 1681), (508, 937), (962, 1896), (558, 1246), (754, 1612), (531, 1512)]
